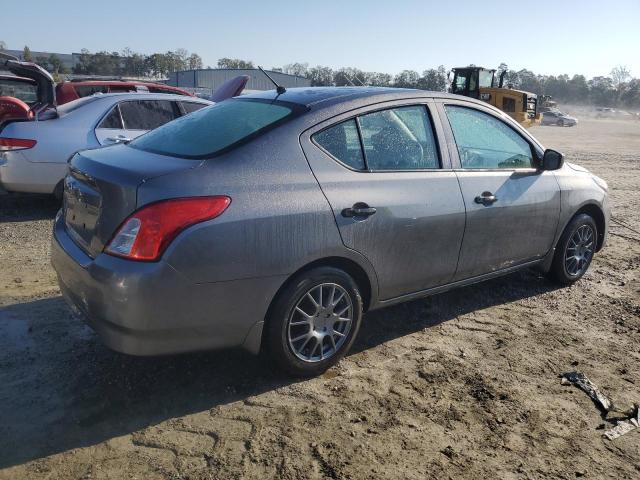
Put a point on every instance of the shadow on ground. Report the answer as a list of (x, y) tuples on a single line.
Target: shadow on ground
[(61, 389), (23, 207)]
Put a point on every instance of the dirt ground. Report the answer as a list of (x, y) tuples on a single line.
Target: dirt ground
[(460, 385)]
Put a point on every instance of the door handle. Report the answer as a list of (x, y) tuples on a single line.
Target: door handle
[(118, 139), (486, 198), (359, 209)]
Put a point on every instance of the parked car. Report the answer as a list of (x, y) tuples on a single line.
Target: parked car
[(274, 221), (34, 154), (556, 117), (79, 88), (24, 89)]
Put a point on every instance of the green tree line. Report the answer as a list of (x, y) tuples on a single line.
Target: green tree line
[(617, 89)]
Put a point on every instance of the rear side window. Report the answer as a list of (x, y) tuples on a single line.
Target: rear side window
[(485, 142), (146, 114), (112, 120), (342, 141), (190, 107), (216, 129), (394, 139), (399, 139)]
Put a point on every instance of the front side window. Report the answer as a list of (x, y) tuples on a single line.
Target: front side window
[(399, 139), (485, 142), (146, 114), (211, 131), (342, 141)]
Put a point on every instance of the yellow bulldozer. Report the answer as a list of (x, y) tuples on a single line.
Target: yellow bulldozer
[(480, 83)]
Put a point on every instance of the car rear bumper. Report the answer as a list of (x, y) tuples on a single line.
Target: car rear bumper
[(149, 308), (17, 174)]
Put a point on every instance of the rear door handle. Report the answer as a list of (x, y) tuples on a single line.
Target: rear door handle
[(486, 198), (359, 209)]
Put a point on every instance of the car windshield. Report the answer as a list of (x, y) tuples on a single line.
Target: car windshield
[(216, 129), (21, 89)]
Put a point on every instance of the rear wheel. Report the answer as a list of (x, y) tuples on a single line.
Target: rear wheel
[(59, 190), (575, 250), (314, 321)]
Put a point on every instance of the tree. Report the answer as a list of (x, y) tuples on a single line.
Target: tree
[(26, 54), (299, 69), (407, 79), (601, 91), (195, 62), (620, 75), (234, 63), (377, 79), (320, 76), (434, 79), (349, 77), (55, 65)]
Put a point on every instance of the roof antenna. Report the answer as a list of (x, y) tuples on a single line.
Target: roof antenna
[(279, 88)]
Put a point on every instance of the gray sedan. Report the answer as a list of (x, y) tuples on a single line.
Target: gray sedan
[(274, 221)]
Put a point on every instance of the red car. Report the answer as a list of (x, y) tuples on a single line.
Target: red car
[(74, 89)]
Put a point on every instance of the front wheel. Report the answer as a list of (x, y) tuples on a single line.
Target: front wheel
[(560, 123), (575, 250), (314, 321)]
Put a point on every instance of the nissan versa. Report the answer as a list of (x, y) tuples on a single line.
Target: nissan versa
[(274, 220)]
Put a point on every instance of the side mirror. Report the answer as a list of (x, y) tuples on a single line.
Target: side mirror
[(552, 160)]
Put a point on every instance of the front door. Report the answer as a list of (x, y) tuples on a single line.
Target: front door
[(512, 207), (382, 173)]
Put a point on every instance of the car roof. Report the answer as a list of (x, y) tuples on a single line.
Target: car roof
[(320, 97)]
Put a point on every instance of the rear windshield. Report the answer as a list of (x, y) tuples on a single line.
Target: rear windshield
[(23, 90), (216, 129)]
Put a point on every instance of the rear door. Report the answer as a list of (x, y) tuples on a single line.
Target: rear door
[(394, 196), (140, 116), (512, 207)]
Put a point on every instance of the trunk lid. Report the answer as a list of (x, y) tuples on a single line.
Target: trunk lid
[(101, 188)]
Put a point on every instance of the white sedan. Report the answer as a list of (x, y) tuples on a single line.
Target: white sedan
[(34, 154), (37, 139)]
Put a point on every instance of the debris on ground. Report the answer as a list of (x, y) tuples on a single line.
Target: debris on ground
[(581, 381), (626, 420)]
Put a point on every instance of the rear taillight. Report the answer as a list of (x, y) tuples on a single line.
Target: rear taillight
[(147, 233), (10, 144)]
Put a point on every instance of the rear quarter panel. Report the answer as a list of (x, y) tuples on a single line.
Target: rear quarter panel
[(278, 220)]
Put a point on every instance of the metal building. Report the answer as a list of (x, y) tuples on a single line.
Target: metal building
[(212, 78)]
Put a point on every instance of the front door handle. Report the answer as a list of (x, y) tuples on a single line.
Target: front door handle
[(486, 198), (359, 209)]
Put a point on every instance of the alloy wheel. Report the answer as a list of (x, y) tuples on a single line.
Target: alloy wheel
[(579, 250), (320, 322)]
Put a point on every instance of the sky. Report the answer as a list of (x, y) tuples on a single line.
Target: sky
[(548, 37)]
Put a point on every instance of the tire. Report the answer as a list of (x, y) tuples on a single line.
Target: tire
[(565, 270), (58, 191), (303, 330), (560, 123)]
